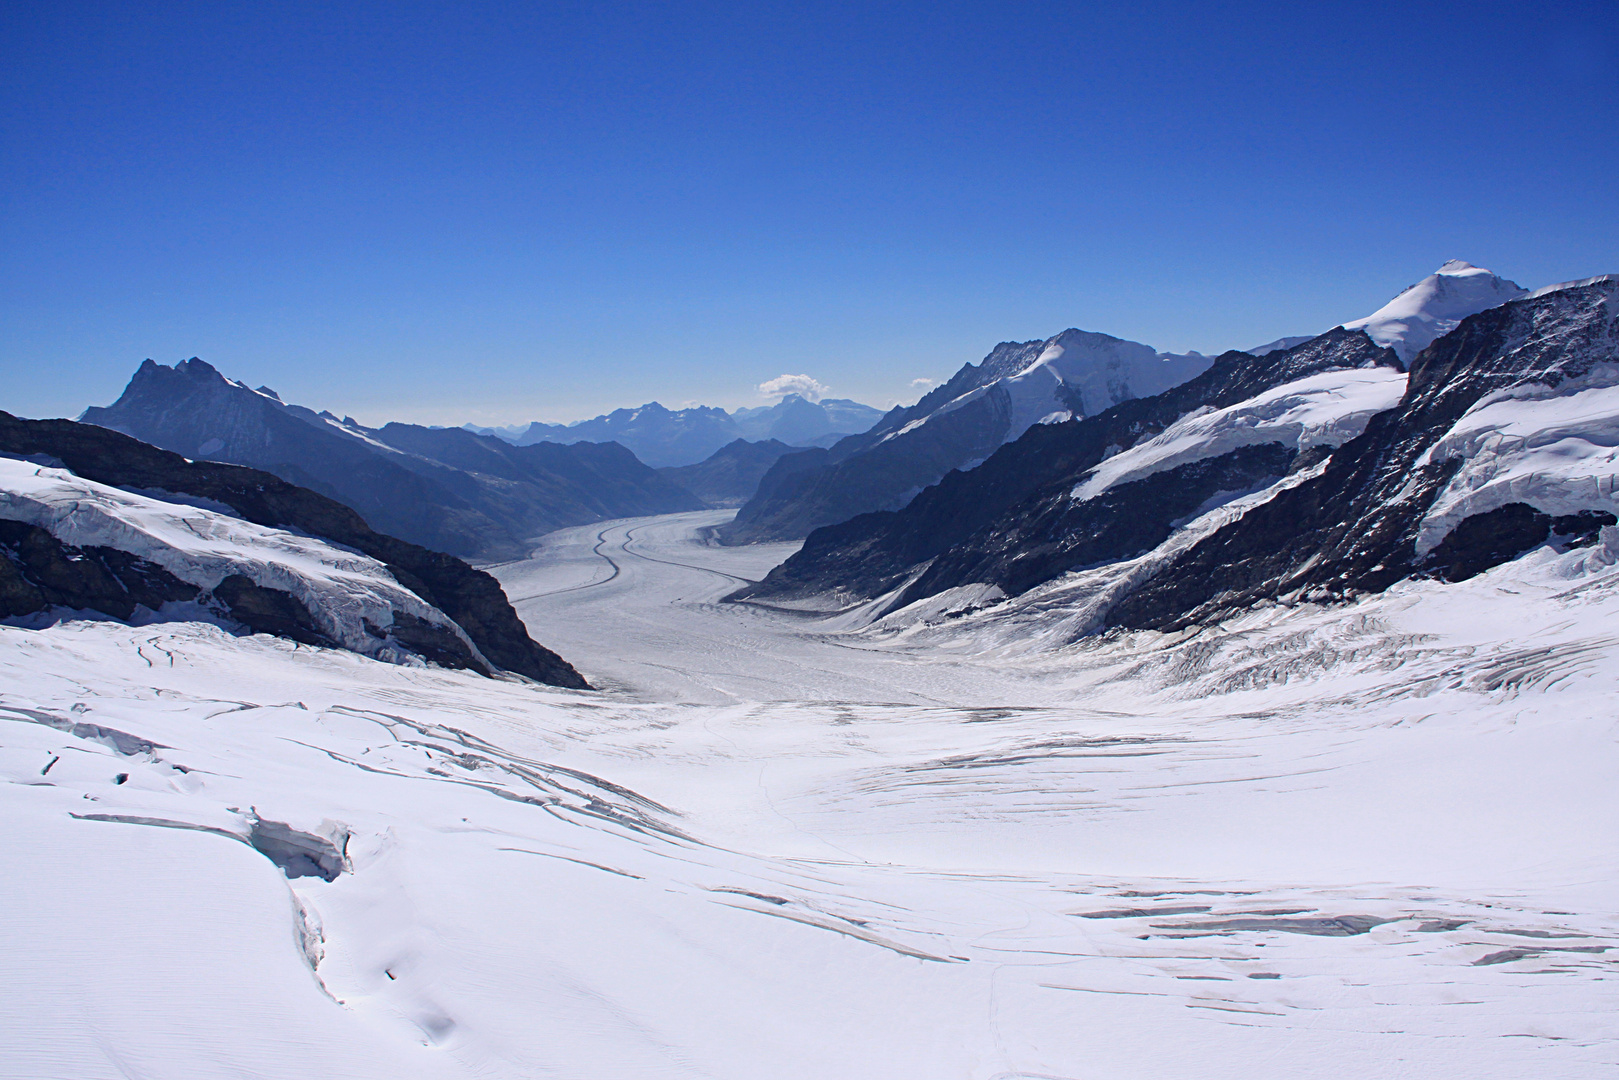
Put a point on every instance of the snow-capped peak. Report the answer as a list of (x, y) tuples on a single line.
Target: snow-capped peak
[(1435, 305)]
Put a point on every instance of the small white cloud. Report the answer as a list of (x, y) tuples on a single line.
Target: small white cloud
[(802, 385), (921, 384)]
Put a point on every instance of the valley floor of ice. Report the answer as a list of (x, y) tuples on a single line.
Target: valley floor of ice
[(1369, 841)]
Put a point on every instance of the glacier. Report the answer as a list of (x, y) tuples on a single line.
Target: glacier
[(1335, 840)]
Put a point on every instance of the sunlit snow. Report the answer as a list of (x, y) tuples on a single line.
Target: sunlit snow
[(1374, 840), (1435, 305)]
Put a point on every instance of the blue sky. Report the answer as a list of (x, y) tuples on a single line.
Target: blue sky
[(503, 212)]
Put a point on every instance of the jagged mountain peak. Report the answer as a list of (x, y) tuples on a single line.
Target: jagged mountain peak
[(198, 368)]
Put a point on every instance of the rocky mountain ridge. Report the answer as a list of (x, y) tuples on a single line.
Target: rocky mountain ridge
[(983, 406), (446, 489), (48, 564), (1300, 475)]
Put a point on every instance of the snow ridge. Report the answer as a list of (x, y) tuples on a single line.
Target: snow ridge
[(1327, 409)]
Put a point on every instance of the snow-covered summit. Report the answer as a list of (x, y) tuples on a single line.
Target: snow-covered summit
[(1082, 373), (1435, 305), (1075, 373)]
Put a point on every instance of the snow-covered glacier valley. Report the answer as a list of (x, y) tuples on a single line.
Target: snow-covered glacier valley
[(1374, 839)]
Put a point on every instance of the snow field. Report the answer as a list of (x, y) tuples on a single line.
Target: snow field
[(1370, 841)]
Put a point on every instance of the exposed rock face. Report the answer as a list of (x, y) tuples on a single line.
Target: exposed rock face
[(471, 598), (449, 490), (1011, 520), (1355, 528), (731, 474), (37, 572), (1497, 536), (1017, 386), (269, 611)]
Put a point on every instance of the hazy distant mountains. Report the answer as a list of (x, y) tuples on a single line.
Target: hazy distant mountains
[(675, 437), (447, 489)]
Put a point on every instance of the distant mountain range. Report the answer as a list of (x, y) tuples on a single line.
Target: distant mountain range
[(1316, 471), (444, 488), (675, 437), (1022, 385)]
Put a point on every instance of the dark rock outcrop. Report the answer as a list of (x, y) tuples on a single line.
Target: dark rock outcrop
[(38, 572), (470, 597), (268, 611)]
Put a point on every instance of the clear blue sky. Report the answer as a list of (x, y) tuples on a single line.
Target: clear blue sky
[(502, 212)]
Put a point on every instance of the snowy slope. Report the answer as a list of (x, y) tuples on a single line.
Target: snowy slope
[(1556, 450), (1435, 305), (1324, 410), (1366, 843), (342, 589)]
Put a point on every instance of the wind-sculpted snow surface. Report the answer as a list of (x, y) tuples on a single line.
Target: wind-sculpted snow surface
[(1319, 842), (353, 599)]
